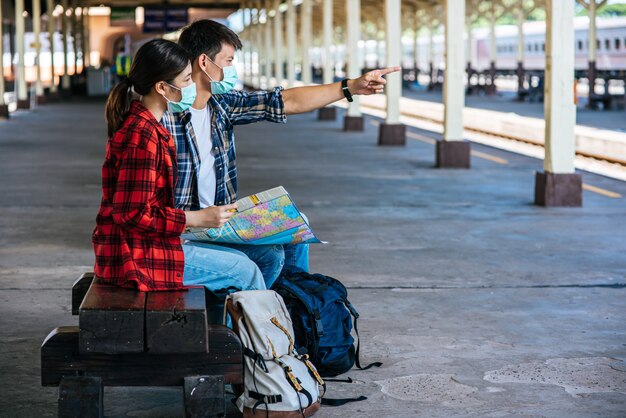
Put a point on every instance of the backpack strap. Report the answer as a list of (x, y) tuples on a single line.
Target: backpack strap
[(340, 402), (263, 399), (258, 359), (355, 315)]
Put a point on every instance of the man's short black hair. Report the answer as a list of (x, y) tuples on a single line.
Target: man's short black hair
[(207, 37)]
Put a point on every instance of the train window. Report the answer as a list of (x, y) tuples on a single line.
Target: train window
[(617, 43), (598, 46), (543, 47), (580, 45), (607, 44)]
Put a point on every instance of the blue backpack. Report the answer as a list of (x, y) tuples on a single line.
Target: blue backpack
[(322, 320)]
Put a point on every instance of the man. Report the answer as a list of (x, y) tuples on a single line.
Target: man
[(205, 141)]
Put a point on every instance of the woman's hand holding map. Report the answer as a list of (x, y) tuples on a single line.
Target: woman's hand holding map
[(211, 217)]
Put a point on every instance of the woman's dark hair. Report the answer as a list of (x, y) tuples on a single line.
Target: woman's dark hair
[(207, 37), (156, 60)]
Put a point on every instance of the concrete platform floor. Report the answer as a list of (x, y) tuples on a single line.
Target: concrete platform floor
[(477, 302)]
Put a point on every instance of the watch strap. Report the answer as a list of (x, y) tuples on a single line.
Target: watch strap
[(346, 92)]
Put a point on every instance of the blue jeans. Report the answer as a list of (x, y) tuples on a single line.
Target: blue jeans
[(220, 266), (271, 258)]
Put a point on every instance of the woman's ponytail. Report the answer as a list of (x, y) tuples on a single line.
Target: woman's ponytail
[(118, 104)]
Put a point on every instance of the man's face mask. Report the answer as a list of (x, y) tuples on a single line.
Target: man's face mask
[(229, 81), (188, 96)]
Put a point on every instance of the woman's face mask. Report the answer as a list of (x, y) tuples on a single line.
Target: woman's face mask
[(229, 81), (188, 96)]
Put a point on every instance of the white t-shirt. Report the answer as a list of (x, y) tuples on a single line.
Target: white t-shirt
[(207, 181)]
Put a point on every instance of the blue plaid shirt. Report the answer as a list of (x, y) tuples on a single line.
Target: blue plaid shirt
[(227, 110)]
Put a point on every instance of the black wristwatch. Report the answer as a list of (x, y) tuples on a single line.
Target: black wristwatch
[(344, 88)]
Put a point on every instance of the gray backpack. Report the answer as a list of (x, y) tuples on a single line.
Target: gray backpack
[(278, 382)]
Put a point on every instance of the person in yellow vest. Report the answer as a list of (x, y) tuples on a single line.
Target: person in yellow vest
[(122, 64)]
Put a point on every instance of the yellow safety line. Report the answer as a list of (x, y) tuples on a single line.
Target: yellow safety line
[(489, 157), (421, 138), (603, 192)]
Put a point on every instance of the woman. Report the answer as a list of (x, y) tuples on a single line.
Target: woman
[(137, 235)]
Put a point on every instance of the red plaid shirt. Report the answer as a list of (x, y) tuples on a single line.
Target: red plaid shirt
[(137, 234)]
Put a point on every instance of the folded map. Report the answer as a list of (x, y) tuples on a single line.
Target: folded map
[(265, 218)]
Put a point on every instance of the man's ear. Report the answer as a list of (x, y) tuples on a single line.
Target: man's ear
[(203, 62)]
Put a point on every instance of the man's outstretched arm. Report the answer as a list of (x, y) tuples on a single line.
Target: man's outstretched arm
[(306, 99)]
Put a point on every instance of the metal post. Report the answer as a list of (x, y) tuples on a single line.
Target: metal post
[(51, 30), (80, 22), (593, 47), (22, 91), (37, 33), (75, 38), (521, 17), (4, 109), (307, 38), (278, 44), (268, 45), (468, 53), (392, 132), (258, 44), (415, 44), (453, 152), (65, 80), (492, 49), (353, 121), (244, 47), (291, 43), (431, 53), (379, 61), (558, 185)]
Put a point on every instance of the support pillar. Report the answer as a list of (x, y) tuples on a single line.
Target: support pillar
[(453, 151), (307, 40), (392, 132), (65, 79), (278, 44), (51, 31), (4, 108), (329, 112), (291, 43), (37, 32), (353, 121), (22, 91), (86, 42), (80, 40), (559, 185)]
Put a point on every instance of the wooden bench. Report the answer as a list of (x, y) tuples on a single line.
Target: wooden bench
[(131, 338)]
